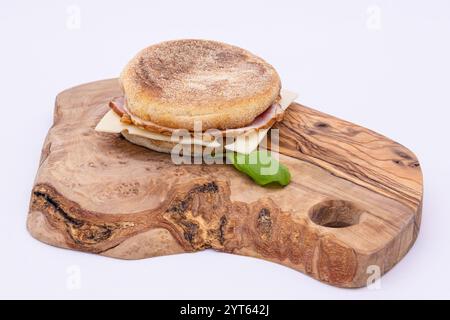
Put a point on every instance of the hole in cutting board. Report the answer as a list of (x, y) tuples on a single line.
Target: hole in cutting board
[(335, 214)]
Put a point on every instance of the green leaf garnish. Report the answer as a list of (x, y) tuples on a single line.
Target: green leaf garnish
[(261, 167)]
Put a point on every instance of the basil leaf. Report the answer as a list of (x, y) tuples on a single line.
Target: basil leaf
[(261, 167)]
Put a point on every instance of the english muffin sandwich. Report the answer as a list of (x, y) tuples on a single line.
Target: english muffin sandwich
[(194, 85)]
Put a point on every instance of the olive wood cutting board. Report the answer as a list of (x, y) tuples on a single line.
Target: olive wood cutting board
[(353, 206)]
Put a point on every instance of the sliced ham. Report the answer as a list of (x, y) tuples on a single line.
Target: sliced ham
[(265, 120)]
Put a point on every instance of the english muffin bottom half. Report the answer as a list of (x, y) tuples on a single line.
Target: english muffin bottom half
[(168, 147)]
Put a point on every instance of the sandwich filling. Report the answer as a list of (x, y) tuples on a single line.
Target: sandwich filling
[(245, 139), (267, 119)]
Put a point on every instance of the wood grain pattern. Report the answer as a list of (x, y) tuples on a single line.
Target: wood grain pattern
[(354, 202)]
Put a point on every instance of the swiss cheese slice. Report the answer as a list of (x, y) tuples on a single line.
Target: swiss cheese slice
[(111, 123)]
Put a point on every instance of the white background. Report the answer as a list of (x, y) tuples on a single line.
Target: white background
[(381, 64)]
